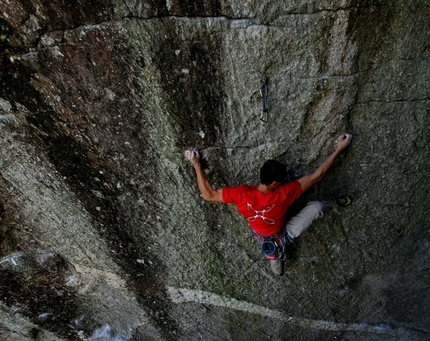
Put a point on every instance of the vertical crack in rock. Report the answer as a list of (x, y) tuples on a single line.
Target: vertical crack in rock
[(327, 113)]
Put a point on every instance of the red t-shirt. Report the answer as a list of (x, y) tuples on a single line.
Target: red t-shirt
[(265, 212)]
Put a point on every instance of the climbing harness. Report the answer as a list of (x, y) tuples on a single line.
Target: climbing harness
[(273, 247), (264, 91)]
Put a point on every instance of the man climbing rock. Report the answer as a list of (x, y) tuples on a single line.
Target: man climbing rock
[(265, 206)]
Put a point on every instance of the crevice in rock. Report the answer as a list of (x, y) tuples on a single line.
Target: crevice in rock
[(395, 101)]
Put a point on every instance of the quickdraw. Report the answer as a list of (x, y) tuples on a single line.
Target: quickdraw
[(264, 91)]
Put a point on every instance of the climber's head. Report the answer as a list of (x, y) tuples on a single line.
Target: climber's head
[(272, 171)]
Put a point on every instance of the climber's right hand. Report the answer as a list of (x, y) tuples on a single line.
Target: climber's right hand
[(193, 155)]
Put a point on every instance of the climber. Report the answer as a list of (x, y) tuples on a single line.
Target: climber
[(265, 206)]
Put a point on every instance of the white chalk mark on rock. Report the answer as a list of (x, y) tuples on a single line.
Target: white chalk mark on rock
[(182, 295)]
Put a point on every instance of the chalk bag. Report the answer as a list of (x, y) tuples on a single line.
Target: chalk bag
[(269, 248)]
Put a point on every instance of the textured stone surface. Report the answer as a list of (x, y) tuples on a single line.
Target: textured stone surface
[(103, 234)]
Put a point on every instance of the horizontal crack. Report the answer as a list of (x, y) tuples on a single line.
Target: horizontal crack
[(395, 101)]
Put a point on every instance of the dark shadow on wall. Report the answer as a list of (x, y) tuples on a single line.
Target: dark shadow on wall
[(35, 285), (191, 8), (87, 172), (193, 83)]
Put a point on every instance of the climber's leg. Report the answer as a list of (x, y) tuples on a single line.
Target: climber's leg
[(306, 216)]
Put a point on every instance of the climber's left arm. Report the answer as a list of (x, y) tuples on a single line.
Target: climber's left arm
[(309, 180)]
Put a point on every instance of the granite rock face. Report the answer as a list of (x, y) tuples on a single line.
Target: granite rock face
[(103, 233)]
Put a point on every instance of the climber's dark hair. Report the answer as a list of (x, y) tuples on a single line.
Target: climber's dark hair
[(272, 171)]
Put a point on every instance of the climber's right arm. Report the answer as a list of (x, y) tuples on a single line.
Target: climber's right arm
[(208, 192)]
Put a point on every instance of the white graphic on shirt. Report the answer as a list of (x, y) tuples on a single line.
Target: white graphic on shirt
[(260, 214)]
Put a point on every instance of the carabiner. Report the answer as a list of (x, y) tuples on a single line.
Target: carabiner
[(264, 91)]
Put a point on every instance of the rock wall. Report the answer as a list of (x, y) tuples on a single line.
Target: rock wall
[(103, 233)]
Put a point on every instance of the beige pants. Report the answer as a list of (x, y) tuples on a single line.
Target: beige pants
[(300, 223)]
